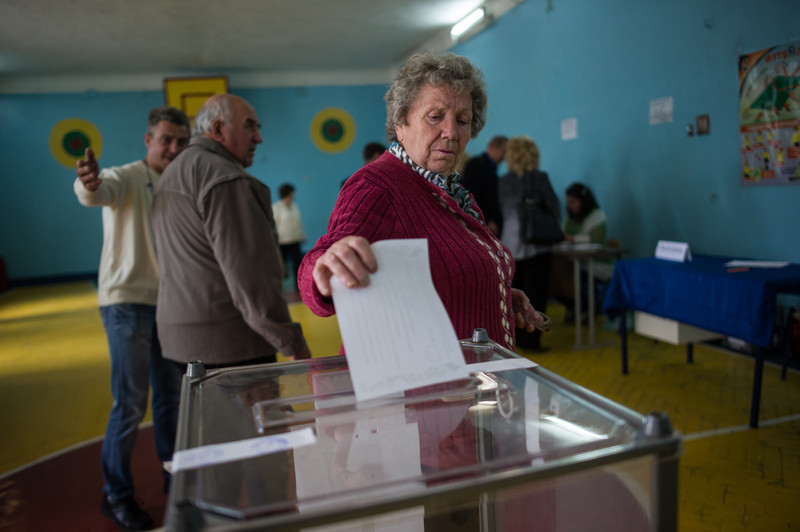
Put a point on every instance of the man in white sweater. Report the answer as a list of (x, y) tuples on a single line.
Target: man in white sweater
[(127, 292)]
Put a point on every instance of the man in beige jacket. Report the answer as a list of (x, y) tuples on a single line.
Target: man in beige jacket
[(127, 293)]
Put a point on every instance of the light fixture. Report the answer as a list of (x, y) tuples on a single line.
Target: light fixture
[(461, 27)]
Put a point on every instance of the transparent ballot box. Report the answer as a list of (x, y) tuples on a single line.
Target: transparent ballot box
[(514, 447)]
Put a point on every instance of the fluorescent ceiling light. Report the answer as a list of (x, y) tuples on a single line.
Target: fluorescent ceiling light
[(466, 23)]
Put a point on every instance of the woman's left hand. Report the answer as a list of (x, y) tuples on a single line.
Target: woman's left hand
[(525, 315)]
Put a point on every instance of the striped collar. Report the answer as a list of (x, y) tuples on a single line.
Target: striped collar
[(452, 186)]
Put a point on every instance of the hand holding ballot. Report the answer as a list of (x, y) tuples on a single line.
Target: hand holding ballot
[(350, 259), (396, 331)]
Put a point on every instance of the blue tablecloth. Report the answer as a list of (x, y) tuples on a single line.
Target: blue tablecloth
[(704, 293)]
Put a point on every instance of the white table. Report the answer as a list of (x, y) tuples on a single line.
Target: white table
[(585, 254)]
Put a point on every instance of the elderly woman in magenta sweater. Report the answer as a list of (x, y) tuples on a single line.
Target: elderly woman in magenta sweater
[(434, 106)]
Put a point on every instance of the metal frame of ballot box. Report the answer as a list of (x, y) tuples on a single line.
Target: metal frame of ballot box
[(511, 446)]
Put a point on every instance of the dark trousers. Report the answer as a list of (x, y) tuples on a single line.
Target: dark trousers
[(291, 253), (137, 365), (532, 277)]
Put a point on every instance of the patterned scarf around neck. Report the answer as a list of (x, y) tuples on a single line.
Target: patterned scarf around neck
[(451, 186)]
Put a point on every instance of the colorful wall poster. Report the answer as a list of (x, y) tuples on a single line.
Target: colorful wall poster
[(769, 120)]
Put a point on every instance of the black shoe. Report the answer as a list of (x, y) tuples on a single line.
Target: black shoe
[(126, 514), (166, 472)]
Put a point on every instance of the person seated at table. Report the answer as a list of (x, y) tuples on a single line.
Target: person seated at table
[(435, 105), (585, 223)]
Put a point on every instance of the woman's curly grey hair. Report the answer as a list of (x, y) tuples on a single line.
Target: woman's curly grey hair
[(433, 69)]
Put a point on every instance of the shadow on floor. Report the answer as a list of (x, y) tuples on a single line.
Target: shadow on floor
[(64, 491)]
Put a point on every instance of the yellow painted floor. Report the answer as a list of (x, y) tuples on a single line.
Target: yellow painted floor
[(54, 393)]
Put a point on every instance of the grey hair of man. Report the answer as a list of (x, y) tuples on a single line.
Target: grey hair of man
[(166, 113), (451, 70), (215, 108)]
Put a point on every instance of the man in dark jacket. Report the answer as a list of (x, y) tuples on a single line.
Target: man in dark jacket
[(480, 178), (220, 294)]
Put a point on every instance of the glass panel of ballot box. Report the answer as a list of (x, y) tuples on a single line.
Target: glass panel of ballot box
[(514, 447)]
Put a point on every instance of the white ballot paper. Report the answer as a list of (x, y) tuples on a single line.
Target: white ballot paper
[(395, 330)]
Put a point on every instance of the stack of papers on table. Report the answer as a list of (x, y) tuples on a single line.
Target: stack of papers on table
[(756, 264)]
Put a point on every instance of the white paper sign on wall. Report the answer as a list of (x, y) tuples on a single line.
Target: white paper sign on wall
[(569, 129)]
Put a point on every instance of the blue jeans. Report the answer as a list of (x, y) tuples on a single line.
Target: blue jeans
[(136, 363)]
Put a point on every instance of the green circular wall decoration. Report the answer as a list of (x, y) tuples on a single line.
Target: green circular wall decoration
[(69, 139), (333, 130)]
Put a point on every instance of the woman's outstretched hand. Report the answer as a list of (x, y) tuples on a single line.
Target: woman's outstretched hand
[(350, 259)]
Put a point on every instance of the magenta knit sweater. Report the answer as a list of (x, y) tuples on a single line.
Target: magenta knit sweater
[(471, 269)]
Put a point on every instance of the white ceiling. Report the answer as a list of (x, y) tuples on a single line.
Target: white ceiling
[(81, 44)]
